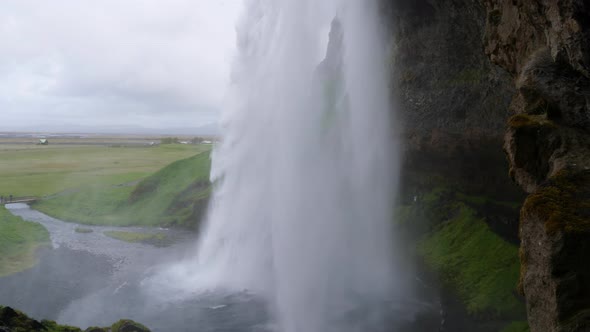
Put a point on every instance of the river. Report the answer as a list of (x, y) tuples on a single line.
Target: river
[(89, 279)]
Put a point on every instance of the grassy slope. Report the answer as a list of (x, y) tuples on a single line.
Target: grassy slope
[(158, 240), (169, 197), (45, 170), (18, 242), (517, 327), (482, 266)]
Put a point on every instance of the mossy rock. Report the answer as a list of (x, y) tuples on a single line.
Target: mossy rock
[(518, 326), (126, 325), (563, 203), (529, 120), (12, 320)]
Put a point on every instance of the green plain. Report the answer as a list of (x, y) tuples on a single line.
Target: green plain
[(19, 240), (173, 196), (44, 170)]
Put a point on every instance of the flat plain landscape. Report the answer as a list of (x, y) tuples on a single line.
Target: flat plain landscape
[(99, 180), (69, 163)]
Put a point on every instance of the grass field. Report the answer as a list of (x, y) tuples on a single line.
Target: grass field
[(31, 170), (176, 195), (158, 240), (97, 184), (477, 264), (18, 242)]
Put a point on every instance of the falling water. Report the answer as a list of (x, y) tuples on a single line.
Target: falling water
[(306, 172)]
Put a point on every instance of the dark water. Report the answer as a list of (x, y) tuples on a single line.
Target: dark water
[(92, 280)]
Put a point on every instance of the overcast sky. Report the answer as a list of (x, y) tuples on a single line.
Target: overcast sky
[(80, 65)]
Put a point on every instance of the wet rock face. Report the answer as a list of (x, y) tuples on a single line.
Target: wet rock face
[(545, 45), (555, 275), (517, 28), (452, 101), (449, 92)]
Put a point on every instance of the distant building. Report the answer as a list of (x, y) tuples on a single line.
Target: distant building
[(183, 142), (206, 142), (43, 141)]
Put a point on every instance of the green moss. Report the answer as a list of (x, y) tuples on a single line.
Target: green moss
[(19, 241), (476, 262), (563, 203), (52, 326), (529, 120), (83, 230), (17, 321), (128, 326), (522, 326), (483, 200), (159, 240)]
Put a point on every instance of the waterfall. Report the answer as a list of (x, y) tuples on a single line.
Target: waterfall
[(306, 175)]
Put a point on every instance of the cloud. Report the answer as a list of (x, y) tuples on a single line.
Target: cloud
[(114, 62)]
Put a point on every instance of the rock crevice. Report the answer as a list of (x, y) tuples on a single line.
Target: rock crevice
[(545, 46)]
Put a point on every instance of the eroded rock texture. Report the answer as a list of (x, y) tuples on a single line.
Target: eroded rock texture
[(545, 45), (453, 102)]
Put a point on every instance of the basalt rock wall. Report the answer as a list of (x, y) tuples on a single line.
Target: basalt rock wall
[(475, 77), (545, 46)]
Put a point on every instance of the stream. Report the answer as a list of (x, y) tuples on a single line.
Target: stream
[(89, 279)]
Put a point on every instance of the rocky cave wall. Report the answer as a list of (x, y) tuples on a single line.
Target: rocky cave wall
[(472, 76), (545, 46), (453, 103)]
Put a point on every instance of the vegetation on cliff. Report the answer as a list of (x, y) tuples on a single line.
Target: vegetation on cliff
[(478, 263), (563, 203), (458, 240), (522, 326), (15, 321), (19, 240)]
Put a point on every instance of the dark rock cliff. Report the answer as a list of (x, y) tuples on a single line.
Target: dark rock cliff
[(474, 76), (545, 46), (453, 103)]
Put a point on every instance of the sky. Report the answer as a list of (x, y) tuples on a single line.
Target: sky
[(114, 65)]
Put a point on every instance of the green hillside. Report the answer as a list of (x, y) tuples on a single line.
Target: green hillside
[(19, 240), (174, 196)]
